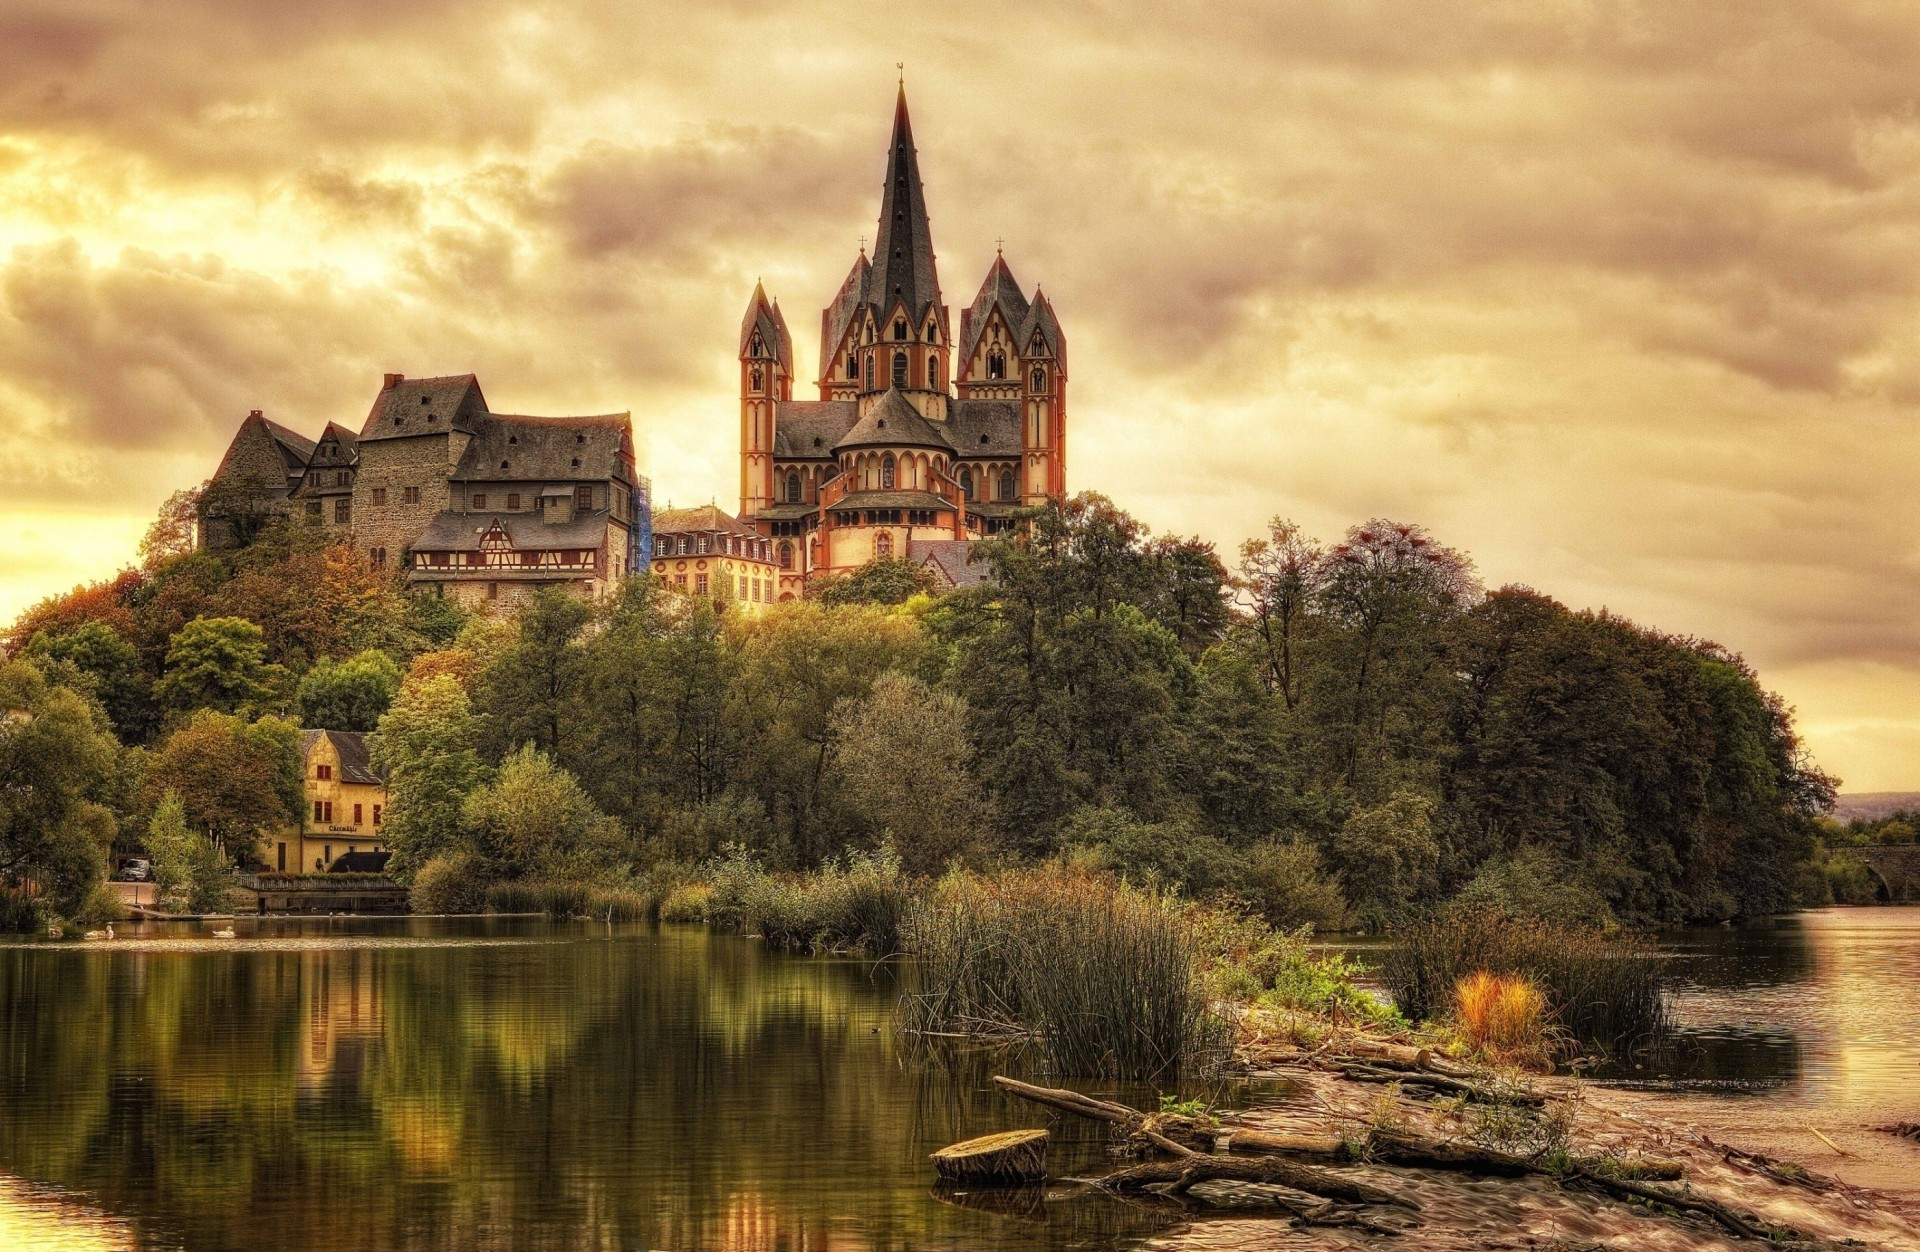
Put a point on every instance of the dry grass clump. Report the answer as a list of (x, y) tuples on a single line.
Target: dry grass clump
[(1504, 1015), (686, 903), (1106, 978), (859, 901)]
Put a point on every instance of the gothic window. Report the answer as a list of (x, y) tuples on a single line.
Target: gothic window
[(869, 373), (853, 365), (996, 364), (786, 556), (883, 544), (966, 483), (933, 370), (1039, 379), (757, 378), (900, 328), (886, 472), (793, 487), (1006, 484), (899, 369)]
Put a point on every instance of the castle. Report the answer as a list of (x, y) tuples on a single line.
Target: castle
[(890, 461), (482, 506)]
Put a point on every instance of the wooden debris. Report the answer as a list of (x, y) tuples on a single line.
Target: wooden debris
[(1015, 1156), (1184, 1171)]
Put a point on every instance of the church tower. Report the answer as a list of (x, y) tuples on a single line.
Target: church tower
[(766, 378)]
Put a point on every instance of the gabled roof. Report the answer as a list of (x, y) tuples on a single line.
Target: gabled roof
[(531, 449), (950, 560), (894, 422), (1040, 318), (838, 316), (343, 439), (764, 317), (461, 532), (810, 428), (704, 517), (1001, 289), (424, 406), (356, 765), (291, 448), (903, 269), (295, 448), (979, 428)]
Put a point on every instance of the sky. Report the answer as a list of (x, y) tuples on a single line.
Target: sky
[(1619, 298)]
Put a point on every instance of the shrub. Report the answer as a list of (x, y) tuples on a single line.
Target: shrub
[(1287, 884), (860, 901), (1503, 1014), (20, 913), (1107, 978), (1533, 883), (1253, 962), (449, 883), (1602, 989), (1848, 880), (686, 903), (100, 906)]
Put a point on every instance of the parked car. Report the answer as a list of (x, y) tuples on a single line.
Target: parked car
[(136, 869)]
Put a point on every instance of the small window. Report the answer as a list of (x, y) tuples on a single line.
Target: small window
[(853, 365), (1039, 379), (996, 364), (759, 379), (576, 462), (356, 815), (380, 496), (686, 544), (503, 465), (343, 510), (513, 439), (339, 478), (313, 507), (579, 436), (663, 546), (410, 495), (933, 370), (900, 328), (883, 544), (899, 369), (700, 584), (582, 497), (886, 472), (425, 401), (966, 483), (376, 813), (816, 443), (1006, 484), (323, 772), (706, 543), (513, 499), (786, 556), (793, 488), (377, 557), (479, 499)]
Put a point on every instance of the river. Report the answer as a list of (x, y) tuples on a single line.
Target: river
[(420, 1083)]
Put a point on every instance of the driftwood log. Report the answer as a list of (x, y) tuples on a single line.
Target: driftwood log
[(1014, 1156), (1363, 1072)]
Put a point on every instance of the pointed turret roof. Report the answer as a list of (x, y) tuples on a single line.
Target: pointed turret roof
[(836, 317), (1000, 288), (1040, 319), (764, 316), (893, 422), (903, 270)]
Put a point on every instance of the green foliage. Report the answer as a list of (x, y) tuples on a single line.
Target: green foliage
[(700, 832), (347, 695), (108, 666), (535, 821), (1534, 883), (531, 693), (20, 913), (883, 580), (1285, 882), (1107, 978), (189, 872), (426, 748), (238, 780), (99, 906), (903, 754), (859, 901), (449, 882), (1388, 859), (686, 903), (1169, 853), (56, 756), (1605, 989), (217, 663), (1250, 961)]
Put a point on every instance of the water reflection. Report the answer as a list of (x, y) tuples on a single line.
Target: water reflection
[(501, 1083)]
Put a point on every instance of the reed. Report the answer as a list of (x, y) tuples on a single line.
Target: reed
[(1106, 979), (859, 902), (571, 899), (1503, 1014), (686, 903), (1603, 990)]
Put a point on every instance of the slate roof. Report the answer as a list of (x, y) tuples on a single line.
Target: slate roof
[(460, 532), (949, 559), (356, 766), (903, 269), (416, 406), (1040, 317), (343, 439), (810, 428), (891, 500), (1001, 289), (295, 448), (984, 428), (766, 318), (704, 517), (894, 422), (505, 447), (837, 316)]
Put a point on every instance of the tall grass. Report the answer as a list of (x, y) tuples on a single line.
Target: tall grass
[(860, 902), (1604, 990), (20, 914), (1504, 1014), (571, 899), (1106, 978)]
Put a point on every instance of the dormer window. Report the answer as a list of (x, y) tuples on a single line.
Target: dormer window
[(900, 328)]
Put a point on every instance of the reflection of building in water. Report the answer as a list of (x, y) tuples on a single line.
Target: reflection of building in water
[(340, 1014), (750, 1222)]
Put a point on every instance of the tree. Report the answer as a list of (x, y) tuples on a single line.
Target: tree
[(56, 754), (216, 663), (106, 663), (189, 872), (1187, 591), (1388, 860), (176, 530), (237, 780), (903, 752), (347, 695), (883, 580), (426, 747), (533, 692), (534, 820), (1281, 576)]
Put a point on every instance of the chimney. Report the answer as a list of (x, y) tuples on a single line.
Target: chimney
[(253, 413), (393, 380)]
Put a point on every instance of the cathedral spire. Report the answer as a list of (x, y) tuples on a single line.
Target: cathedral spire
[(903, 269)]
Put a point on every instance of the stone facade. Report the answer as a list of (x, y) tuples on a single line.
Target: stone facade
[(481, 506), (893, 454)]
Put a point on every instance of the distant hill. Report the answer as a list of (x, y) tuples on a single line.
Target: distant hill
[(1868, 806)]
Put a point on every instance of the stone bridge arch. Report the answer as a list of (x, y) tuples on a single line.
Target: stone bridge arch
[(1895, 867)]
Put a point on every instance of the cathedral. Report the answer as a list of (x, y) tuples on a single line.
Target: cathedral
[(892, 459)]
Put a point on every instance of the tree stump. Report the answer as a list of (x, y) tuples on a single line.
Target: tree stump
[(1013, 1156)]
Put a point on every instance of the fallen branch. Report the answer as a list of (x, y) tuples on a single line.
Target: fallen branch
[(1361, 1072), (1184, 1171), (1734, 1223)]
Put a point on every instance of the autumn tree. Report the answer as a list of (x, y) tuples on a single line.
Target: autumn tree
[(237, 780)]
